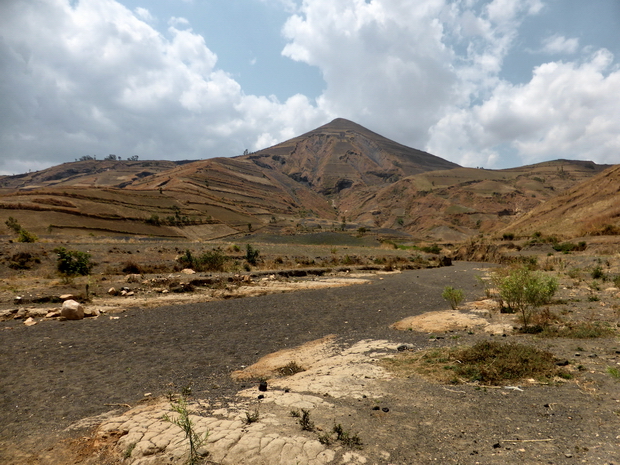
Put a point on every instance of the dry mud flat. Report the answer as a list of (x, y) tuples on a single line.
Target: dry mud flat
[(398, 421)]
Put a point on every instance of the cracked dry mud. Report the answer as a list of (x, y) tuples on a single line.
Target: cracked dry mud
[(399, 421)]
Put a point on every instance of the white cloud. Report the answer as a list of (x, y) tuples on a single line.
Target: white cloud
[(557, 44), (144, 14), (93, 77), (567, 110)]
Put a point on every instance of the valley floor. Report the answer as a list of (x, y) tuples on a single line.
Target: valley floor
[(55, 374)]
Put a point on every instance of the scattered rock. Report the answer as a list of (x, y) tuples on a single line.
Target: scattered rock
[(91, 312), (53, 313), (7, 314), (72, 310), (30, 322), (112, 291), (37, 312), (21, 313), (188, 271), (133, 278), (403, 347), (262, 386), (66, 297)]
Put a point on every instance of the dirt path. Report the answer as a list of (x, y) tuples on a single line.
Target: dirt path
[(56, 373)]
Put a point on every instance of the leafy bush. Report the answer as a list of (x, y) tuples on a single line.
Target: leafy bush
[(567, 247), (453, 296), (213, 260), (25, 236), (73, 263), (434, 249), (22, 234), (524, 291), (251, 254), (597, 273)]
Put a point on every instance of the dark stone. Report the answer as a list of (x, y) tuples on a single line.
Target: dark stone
[(497, 445), (262, 386), (376, 407), (260, 396), (562, 363), (385, 409)]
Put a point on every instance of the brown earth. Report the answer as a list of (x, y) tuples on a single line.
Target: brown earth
[(56, 373), (340, 176)]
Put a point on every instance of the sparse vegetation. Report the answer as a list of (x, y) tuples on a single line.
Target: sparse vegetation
[(251, 255), (524, 291), (345, 437), (22, 234), (290, 369), (252, 417), (304, 420), (579, 330), (487, 362), (211, 260), (597, 273), (434, 249), (72, 263), (567, 247), (454, 296), (183, 421), (614, 372)]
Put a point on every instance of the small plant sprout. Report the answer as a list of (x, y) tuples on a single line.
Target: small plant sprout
[(305, 422), (184, 422), (454, 296), (252, 417)]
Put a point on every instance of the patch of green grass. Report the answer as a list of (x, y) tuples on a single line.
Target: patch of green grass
[(614, 372)]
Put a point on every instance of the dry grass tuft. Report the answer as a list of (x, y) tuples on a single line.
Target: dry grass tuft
[(488, 363)]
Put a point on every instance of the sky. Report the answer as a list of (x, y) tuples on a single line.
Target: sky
[(491, 84)]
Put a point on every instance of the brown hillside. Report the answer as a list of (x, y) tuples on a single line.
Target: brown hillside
[(343, 155), (455, 204), (590, 208), (339, 175)]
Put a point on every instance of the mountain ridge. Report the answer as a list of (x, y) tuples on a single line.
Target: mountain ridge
[(337, 176)]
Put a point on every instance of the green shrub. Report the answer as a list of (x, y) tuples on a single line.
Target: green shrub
[(597, 272), (72, 263), (25, 236), (184, 422), (212, 260), (434, 249), (453, 296), (22, 234), (567, 247), (251, 255), (524, 291)]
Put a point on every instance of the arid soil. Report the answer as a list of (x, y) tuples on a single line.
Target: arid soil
[(129, 363)]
